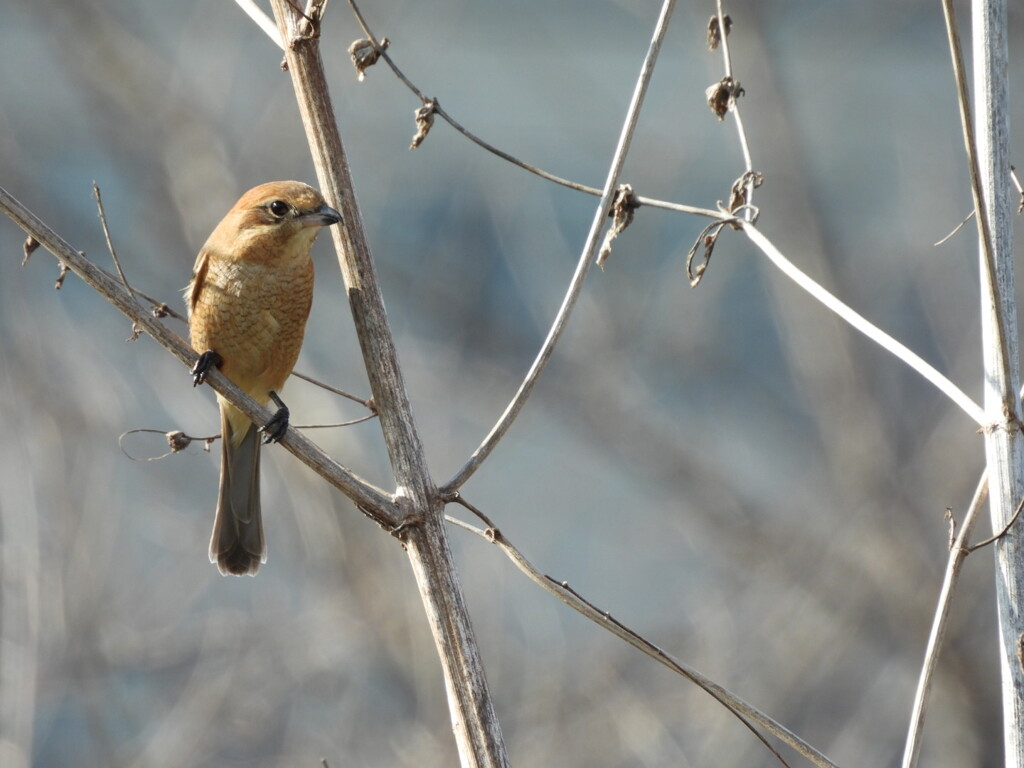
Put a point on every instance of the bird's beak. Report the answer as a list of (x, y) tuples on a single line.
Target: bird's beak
[(323, 216)]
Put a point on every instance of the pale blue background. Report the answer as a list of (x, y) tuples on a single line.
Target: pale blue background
[(727, 469)]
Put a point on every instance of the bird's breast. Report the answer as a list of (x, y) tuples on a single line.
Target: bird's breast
[(254, 316)]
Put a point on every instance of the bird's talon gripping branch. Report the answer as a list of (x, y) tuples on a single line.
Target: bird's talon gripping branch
[(275, 429), (206, 362)]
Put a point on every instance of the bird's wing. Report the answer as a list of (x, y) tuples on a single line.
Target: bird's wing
[(198, 278)]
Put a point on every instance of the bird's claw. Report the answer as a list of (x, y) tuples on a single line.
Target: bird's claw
[(207, 361), (276, 428)]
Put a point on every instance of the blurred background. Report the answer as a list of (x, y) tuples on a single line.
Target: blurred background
[(728, 470)]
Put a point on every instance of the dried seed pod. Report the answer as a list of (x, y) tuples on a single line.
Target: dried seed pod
[(715, 31), (364, 54), (424, 121), (722, 95), (623, 206)]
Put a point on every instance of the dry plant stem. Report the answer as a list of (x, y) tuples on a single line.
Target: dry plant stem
[(989, 163), (263, 21), (349, 423), (744, 145), (1005, 530), (980, 202), (260, 18), (109, 239), (439, 110), (870, 330), (926, 370), (357, 489), (913, 360), (957, 228), (749, 714), (957, 554), (335, 390), (477, 733), (583, 266)]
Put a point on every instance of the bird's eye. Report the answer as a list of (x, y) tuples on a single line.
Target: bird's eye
[(279, 208)]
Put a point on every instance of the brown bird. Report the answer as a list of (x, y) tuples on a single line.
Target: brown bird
[(250, 294)]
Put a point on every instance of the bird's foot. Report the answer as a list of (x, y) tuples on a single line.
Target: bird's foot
[(275, 429), (207, 361)]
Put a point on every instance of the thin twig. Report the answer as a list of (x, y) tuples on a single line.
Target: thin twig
[(746, 712), (335, 390), (958, 553), (969, 216), (956, 229), (113, 253), (159, 308), (1006, 529), (444, 115), (583, 265), (744, 144), (984, 232), (262, 20), (176, 440), (873, 332), (382, 51), (179, 441), (349, 423), (110, 243), (1020, 189)]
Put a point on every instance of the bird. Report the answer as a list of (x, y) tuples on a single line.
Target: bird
[(248, 302)]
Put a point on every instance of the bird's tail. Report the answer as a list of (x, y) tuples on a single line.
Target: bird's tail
[(237, 545)]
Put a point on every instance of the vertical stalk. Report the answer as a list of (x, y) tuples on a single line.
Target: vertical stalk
[(1004, 446), (477, 733)]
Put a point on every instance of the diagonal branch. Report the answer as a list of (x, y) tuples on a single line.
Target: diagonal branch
[(980, 207), (987, 144), (263, 21), (583, 266), (859, 322), (957, 554), (749, 178), (747, 713)]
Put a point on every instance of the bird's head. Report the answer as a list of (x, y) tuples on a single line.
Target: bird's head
[(273, 221)]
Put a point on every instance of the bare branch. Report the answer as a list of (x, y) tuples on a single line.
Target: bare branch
[(958, 553), (984, 232), (746, 712), (957, 228), (725, 24), (355, 398), (380, 51), (873, 332), (113, 253), (988, 160), (477, 732), (262, 20), (583, 266), (1005, 530)]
